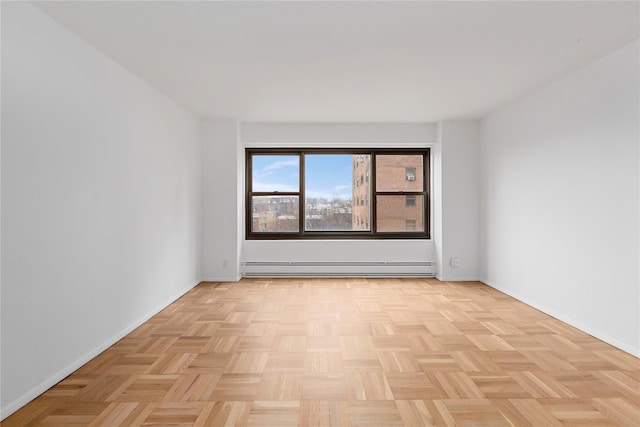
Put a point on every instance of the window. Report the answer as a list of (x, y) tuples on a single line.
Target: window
[(393, 188), (275, 205), (327, 193)]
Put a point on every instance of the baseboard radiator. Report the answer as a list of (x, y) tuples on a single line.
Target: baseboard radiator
[(338, 269)]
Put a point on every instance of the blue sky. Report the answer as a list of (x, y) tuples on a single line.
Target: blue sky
[(327, 175)]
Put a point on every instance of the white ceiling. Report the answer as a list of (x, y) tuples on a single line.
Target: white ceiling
[(349, 61)]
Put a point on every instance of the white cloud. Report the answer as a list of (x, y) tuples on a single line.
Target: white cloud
[(272, 167), (280, 164)]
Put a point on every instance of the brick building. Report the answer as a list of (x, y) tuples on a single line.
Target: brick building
[(271, 213), (360, 204), (394, 173)]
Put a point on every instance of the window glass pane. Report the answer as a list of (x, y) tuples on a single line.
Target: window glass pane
[(337, 192), (393, 214), (399, 172), (274, 213), (275, 173)]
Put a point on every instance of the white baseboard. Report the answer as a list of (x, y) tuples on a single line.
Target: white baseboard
[(457, 278), (566, 319), (222, 279), (27, 397)]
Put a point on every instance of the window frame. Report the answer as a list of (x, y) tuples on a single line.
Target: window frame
[(372, 233)]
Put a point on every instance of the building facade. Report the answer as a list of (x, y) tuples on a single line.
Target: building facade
[(394, 173)]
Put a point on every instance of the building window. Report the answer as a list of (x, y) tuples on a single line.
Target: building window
[(327, 193), (410, 174)]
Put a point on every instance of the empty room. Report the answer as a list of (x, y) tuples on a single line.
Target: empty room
[(320, 213)]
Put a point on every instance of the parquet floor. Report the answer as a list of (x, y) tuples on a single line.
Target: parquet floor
[(351, 352)]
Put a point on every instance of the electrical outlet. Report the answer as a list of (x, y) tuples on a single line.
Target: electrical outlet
[(454, 262), (224, 263)]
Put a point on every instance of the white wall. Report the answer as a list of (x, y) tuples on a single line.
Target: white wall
[(458, 198), (454, 203), (222, 200), (340, 135), (436, 203), (101, 203), (560, 195), (224, 249)]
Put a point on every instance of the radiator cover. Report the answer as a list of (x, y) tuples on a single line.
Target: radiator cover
[(338, 269)]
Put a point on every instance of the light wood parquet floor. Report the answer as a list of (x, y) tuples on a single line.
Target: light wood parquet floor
[(350, 352)]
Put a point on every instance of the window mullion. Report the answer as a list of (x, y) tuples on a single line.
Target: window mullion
[(302, 204), (374, 200)]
